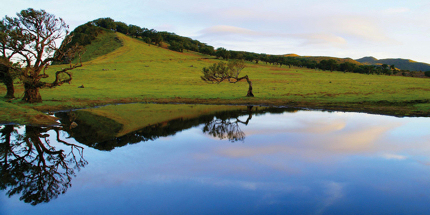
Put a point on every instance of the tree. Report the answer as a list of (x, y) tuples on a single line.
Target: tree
[(347, 67), (176, 46), (122, 27), (222, 53), (330, 64), (35, 34), (220, 72), (158, 39), (147, 40), (135, 30), (107, 23), (8, 70), (209, 50)]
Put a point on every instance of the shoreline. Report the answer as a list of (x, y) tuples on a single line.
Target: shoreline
[(36, 114)]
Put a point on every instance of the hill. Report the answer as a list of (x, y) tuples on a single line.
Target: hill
[(97, 41), (138, 71), (143, 72), (403, 64)]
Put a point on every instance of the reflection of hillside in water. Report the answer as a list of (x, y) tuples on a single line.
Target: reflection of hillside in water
[(100, 133), (32, 167), (39, 167)]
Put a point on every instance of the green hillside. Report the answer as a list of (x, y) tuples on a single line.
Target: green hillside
[(403, 64), (138, 72), (96, 40)]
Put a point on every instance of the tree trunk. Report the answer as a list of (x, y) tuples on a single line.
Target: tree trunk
[(8, 81), (249, 94), (31, 94)]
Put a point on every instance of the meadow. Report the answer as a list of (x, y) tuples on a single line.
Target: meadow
[(138, 72)]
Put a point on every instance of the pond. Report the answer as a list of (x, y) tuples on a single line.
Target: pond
[(244, 160)]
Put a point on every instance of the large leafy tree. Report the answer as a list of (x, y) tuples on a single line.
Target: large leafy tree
[(33, 36), (8, 70), (220, 72)]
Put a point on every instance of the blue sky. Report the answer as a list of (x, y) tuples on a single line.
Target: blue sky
[(383, 29)]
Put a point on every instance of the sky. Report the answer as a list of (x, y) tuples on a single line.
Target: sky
[(338, 28)]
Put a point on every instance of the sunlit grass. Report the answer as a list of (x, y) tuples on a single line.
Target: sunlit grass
[(141, 72)]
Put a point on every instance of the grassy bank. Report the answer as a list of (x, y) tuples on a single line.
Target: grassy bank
[(138, 72)]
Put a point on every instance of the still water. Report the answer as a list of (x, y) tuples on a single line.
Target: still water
[(266, 161)]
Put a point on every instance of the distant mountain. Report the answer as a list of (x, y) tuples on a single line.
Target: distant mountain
[(399, 63), (368, 60)]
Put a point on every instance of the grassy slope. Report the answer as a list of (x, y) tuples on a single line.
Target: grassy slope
[(138, 72), (105, 42)]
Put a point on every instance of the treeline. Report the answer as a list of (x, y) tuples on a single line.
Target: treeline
[(87, 32)]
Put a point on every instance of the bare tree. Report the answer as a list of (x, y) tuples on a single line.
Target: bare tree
[(220, 72), (33, 36)]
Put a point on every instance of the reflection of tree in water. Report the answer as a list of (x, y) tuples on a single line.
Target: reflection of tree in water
[(227, 126), (101, 133), (32, 167)]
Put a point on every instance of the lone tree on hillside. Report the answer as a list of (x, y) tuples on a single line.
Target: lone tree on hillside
[(220, 72), (33, 36)]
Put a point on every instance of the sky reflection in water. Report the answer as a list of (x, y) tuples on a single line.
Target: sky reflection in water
[(307, 162)]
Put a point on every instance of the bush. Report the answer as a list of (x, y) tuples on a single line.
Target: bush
[(427, 73)]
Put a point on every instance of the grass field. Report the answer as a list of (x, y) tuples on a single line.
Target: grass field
[(139, 72)]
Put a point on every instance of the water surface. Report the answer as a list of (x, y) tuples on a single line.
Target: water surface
[(247, 162)]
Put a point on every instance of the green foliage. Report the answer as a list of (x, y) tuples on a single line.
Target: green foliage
[(107, 23), (147, 40), (135, 31), (427, 73), (330, 64), (347, 67), (121, 27), (218, 72), (222, 53), (176, 46)]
